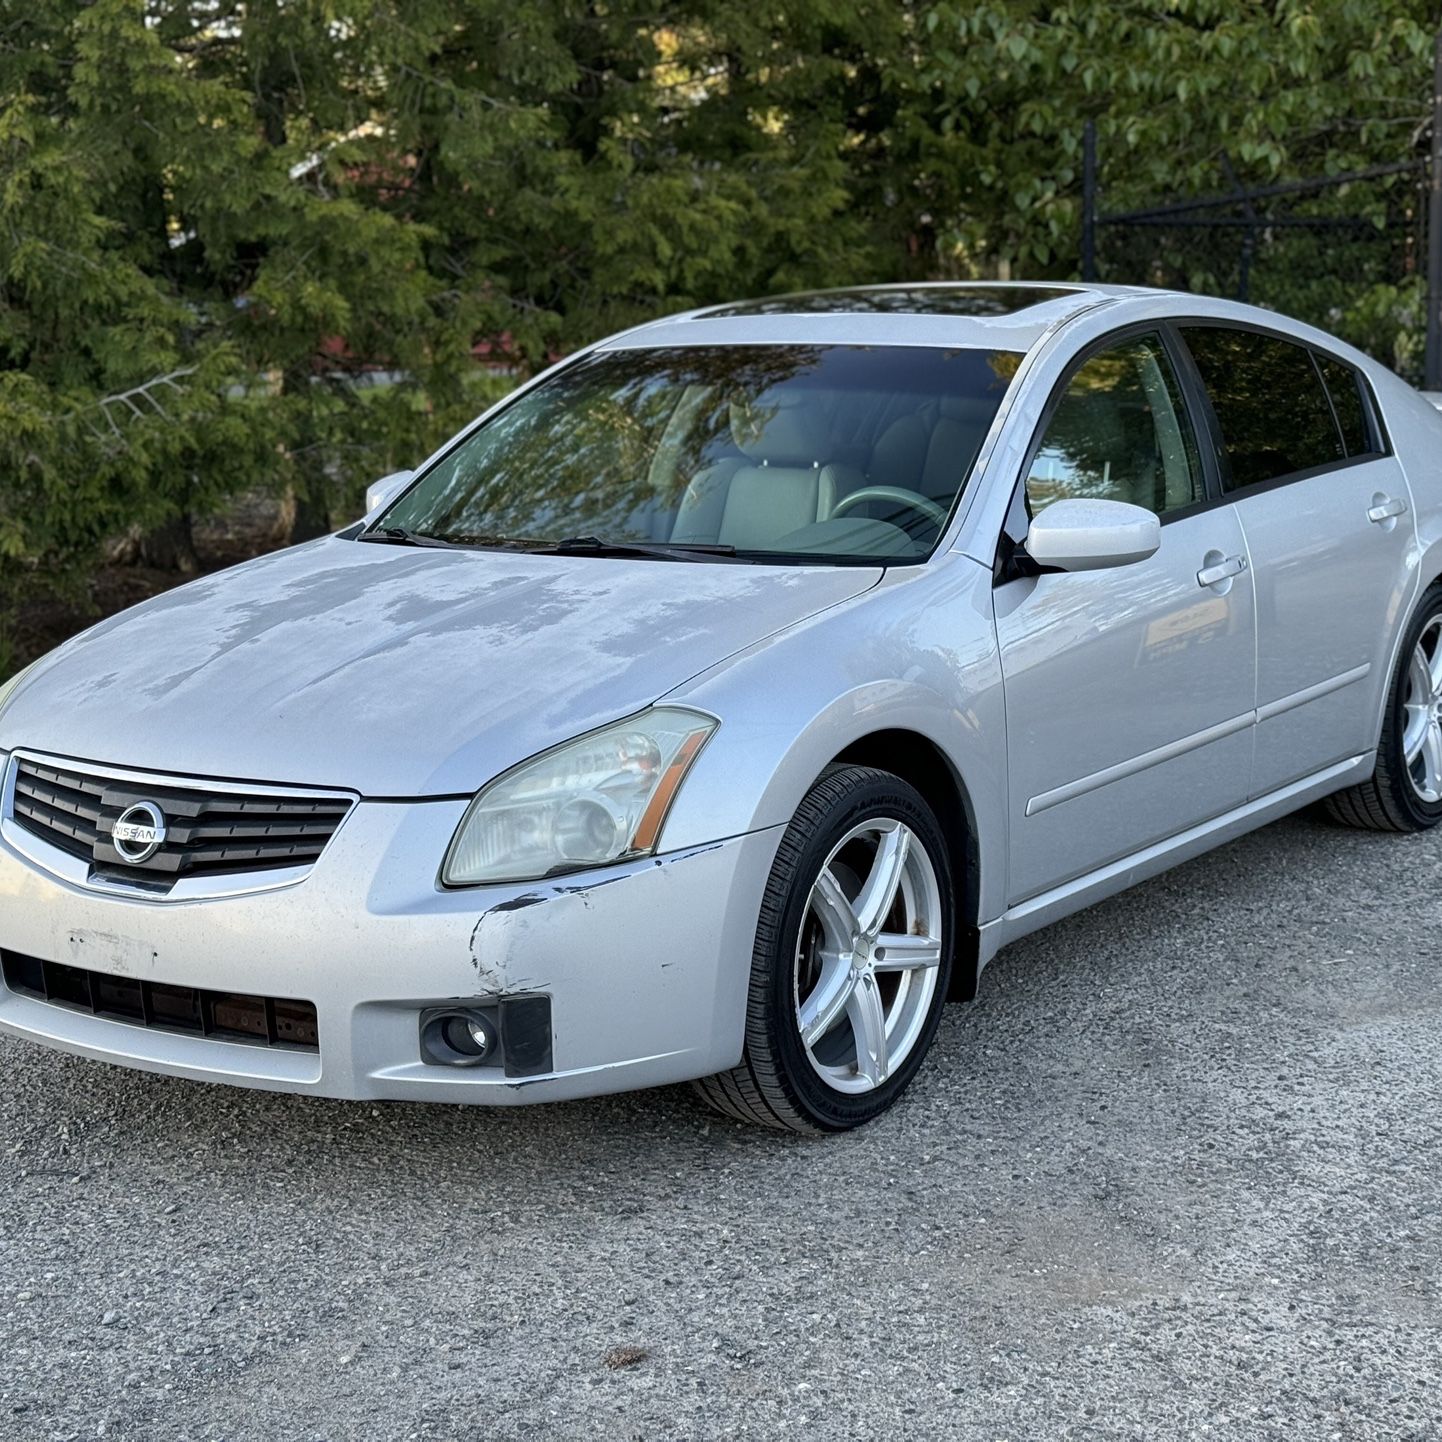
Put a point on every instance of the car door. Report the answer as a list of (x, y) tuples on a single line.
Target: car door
[(1327, 517), (1129, 692)]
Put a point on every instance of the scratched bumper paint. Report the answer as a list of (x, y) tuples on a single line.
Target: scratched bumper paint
[(646, 964)]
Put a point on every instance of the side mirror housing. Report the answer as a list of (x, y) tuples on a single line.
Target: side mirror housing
[(1092, 535), (384, 491)]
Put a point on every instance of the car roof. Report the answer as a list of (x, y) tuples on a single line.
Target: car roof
[(996, 315)]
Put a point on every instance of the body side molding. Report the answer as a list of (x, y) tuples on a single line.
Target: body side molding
[(1038, 911)]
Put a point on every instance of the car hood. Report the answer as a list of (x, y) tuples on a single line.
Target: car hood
[(395, 671)]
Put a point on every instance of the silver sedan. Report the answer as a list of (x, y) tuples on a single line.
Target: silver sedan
[(715, 707)]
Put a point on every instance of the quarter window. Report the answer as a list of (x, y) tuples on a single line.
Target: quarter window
[(1121, 433), (1274, 413), (1344, 385)]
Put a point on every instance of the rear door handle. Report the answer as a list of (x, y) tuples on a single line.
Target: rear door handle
[(1385, 509), (1223, 570)]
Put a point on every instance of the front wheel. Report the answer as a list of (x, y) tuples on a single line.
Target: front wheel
[(852, 959)]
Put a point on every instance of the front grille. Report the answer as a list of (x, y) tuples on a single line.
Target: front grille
[(224, 1015), (208, 832)]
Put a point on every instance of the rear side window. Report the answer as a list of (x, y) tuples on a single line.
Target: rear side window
[(1344, 385), (1275, 415)]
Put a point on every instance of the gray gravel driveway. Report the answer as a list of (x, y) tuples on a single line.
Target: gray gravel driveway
[(1177, 1174)]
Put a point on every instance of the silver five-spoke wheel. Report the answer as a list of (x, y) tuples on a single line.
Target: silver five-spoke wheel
[(868, 955), (1422, 714), (853, 957)]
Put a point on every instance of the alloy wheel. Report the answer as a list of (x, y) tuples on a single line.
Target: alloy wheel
[(1422, 714), (868, 955)]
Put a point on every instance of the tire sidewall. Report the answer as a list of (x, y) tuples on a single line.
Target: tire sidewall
[(877, 796)]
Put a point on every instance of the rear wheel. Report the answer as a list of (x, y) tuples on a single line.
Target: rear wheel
[(1404, 792), (852, 959)]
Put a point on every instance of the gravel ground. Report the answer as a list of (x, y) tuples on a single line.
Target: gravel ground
[(1175, 1175)]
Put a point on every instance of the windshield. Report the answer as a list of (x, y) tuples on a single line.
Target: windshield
[(767, 452)]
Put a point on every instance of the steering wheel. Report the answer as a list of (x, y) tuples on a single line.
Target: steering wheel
[(912, 500)]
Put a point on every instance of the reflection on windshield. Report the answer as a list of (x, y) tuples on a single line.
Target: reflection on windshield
[(1119, 433), (839, 453), (1270, 403)]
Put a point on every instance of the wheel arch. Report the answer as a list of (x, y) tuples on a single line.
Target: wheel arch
[(1415, 428), (920, 762), (915, 689), (1427, 574)]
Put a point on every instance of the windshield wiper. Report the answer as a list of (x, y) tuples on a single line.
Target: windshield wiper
[(655, 550), (570, 546), (399, 536)]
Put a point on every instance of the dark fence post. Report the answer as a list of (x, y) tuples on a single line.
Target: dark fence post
[(1249, 235), (1089, 201), (1432, 371)]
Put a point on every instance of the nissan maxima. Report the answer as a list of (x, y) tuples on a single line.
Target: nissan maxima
[(713, 708)]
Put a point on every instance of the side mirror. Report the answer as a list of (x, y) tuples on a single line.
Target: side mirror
[(1083, 535), (384, 491)]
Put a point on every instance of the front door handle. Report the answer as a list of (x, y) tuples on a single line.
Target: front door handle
[(1222, 570), (1384, 508)]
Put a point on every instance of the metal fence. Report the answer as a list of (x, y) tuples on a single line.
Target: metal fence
[(1359, 253)]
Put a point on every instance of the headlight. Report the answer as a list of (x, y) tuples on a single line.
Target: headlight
[(595, 800)]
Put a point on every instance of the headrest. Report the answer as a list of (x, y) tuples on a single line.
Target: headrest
[(788, 433), (900, 453), (967, 408)]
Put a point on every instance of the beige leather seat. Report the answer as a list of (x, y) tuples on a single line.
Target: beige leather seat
[(781, 484)]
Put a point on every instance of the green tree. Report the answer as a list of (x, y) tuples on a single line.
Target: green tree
[(219, 218), (1178, 91), (577, 167), (190, 282)]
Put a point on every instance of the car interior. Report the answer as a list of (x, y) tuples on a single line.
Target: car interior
[(838, 471), (844, 454)]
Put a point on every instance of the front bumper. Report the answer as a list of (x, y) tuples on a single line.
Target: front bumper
[(646, 965)]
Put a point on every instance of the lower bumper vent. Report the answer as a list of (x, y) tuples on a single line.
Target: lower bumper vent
[(223, 1015)]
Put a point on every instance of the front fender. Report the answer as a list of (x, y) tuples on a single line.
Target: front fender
[(918, 654)]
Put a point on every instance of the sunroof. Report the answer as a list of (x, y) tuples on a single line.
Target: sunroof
[(969, 300)]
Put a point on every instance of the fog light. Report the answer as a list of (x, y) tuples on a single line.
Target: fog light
[(459, 1038), (471, 1035)]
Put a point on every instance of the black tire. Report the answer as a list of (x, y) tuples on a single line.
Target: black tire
[(775, 1084), (1387, 800)]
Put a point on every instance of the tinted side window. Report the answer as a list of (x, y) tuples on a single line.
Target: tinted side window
[(1120, 433), (1270, 404), (1344, 385)]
